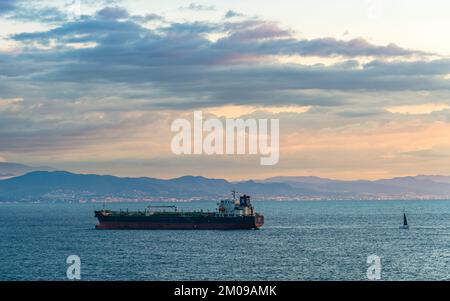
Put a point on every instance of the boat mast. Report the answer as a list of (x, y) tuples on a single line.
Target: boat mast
[(234, 194)]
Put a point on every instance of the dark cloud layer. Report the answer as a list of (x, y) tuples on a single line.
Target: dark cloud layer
[(113, 13), (178, 61), (180, 55), (7, 6), (244, 38)]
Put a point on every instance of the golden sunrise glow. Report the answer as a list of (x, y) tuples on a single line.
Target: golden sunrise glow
[(239, 111), (422, 109), (8, 104)]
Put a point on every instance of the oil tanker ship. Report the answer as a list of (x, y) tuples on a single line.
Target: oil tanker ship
[(237, 213)]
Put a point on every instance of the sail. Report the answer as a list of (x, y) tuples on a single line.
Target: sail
[(405, 221)]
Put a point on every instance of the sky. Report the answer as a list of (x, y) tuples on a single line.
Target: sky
[(361, 87)]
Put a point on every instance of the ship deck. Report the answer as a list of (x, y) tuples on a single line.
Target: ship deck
[(156, 213)]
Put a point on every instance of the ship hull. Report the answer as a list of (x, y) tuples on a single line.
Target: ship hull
[(179, 223)]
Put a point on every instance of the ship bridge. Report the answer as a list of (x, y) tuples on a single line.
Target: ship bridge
[(236, 207)]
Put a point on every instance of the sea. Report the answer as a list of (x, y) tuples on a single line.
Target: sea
[(301, 240)]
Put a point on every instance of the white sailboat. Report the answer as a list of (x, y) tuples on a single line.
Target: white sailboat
[(405, 225)]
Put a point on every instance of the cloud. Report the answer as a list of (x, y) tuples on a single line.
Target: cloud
[(233, 14), (438, 152), (195, 28), (31, 12), (249, 31), (113, 13), (353, 48), (7, 6), (360, 113), (243, 110), (147, 18), (176, 65), (244, 41), (421, 109), (11, 104), (120, 13), (35, 12), (199, 7), (102, 31)]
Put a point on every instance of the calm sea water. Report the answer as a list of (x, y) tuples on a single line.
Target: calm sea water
[(300, 241)]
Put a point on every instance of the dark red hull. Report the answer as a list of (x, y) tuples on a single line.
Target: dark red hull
[(179, 223), (159, 226)]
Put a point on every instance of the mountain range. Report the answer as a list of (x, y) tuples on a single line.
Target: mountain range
[(62, 186)]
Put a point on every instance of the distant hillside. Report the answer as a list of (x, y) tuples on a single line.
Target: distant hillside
[(439, 179), (65, 186), (418, 187), (310, 180), (8, 169)]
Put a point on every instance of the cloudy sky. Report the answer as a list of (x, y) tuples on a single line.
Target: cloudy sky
[(361, 87)]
